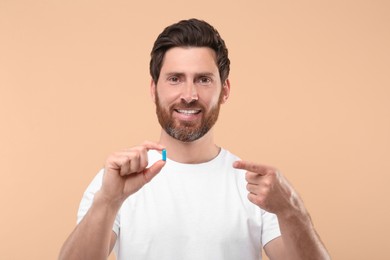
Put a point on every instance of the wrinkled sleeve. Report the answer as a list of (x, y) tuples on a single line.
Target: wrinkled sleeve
[(270, 227), (88, 197)]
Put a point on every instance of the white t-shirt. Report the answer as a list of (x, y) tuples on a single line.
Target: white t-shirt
[(190, 211)]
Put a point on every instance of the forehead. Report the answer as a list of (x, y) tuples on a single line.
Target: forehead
[(190, 59)]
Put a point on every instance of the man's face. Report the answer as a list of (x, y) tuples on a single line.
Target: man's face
[(189, 92)]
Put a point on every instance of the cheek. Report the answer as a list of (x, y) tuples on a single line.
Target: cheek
[(212, 99), (167, 97)]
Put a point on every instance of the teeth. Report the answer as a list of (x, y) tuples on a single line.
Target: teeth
[(188, 112)]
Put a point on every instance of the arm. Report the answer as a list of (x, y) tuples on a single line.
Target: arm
[(93, 237), (299, 239), (125, 174), (269, 190)]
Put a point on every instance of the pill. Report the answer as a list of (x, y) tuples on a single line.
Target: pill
[(164, 155)]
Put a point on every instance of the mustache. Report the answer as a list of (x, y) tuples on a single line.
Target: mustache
[(187, 105)]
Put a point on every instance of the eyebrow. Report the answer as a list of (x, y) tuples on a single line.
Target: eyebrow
[(208, 74)]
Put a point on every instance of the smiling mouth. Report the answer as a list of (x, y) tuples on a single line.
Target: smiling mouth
[(188, 111)]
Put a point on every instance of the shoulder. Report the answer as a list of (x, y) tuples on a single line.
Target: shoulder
[(96, 182), (227, 158), (227, 155)]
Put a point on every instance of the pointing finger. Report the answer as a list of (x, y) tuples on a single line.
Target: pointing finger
[(252, 167)]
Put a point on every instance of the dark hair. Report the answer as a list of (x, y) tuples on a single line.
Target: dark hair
[(189, 33)]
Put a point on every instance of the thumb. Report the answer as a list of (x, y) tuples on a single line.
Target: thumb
[(153, 170)]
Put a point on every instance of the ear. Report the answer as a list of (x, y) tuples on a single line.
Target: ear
[(225, 91), (153, 90)]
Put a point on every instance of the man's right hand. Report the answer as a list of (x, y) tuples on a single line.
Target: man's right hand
[(125, 172)]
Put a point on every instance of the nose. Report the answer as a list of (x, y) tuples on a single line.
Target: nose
[(189, 93)]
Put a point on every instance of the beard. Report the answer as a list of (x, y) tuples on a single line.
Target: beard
[(187, 131)]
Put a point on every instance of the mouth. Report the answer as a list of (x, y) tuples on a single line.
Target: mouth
[(188, 111)]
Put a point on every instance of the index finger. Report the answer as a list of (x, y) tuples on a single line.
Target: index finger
[(153, 146), (250, 166)]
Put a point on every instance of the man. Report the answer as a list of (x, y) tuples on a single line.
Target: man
[(203, 202)]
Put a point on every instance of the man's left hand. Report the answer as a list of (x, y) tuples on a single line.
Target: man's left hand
[(268, 188)]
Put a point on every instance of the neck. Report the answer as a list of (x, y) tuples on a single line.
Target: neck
[(199, 151)]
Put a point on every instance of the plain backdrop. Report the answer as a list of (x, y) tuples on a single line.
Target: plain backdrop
[(310, 91)]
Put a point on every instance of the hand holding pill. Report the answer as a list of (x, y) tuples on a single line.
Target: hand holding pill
[(126, 172)]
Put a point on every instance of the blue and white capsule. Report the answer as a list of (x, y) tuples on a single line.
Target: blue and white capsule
[(164, 155)]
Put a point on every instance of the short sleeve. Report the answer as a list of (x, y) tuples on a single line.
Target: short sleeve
[(270, 227), (88, 197)]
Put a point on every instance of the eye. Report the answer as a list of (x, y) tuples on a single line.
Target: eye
[(174, 80), (205, 81)]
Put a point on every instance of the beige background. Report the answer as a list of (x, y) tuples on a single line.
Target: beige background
[(310, 95)]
